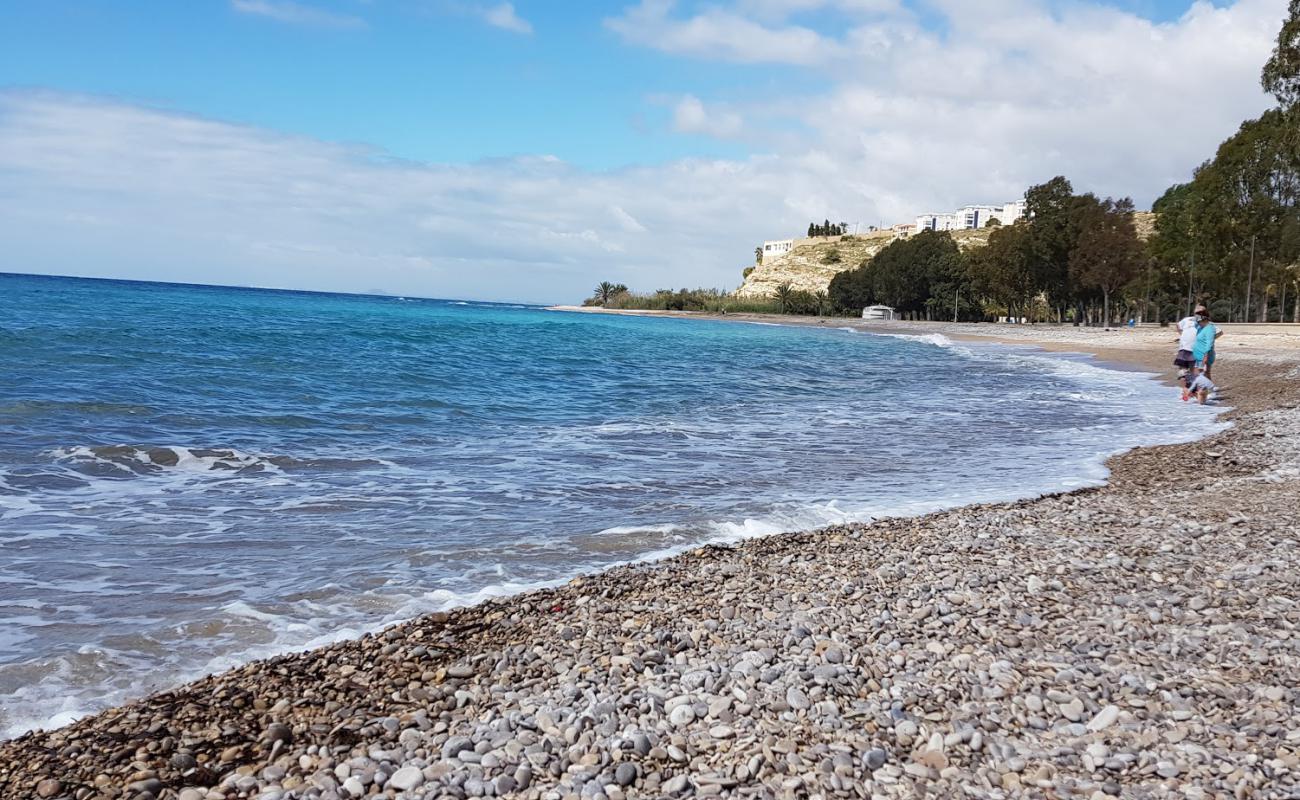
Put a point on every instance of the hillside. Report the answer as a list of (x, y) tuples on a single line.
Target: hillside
[(807, 268)]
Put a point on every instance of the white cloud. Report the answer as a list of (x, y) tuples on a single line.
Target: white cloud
[(690, 116), (503, 16), (1010, 93), (718, 33), (97, 187), (296, 14)]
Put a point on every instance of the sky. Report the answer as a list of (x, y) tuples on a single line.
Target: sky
[(526, 151)]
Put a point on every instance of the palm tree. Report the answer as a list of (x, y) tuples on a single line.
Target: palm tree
[(758, 255), (823, 301), (784, 294), (605, 292)]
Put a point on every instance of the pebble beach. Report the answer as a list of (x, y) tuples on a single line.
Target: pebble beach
[(1132, 640)]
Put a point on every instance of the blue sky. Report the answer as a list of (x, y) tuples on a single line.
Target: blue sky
[(352, 142), (424, 80)]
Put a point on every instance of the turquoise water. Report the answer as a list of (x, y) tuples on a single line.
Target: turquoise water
[(192, 477)]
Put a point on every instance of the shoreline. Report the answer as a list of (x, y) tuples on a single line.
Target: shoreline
[(265, 722)]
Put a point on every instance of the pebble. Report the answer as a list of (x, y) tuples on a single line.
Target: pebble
[(1104, 719), (796, 699), (406, 778), (625, 774)]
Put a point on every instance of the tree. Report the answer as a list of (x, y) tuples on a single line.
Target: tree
[(607, 291), (1001, 273), (851, 290), (1048, 206), (758, 254), (812, 229), (784, 296), (1281, 74), (993, 222), (1108, 253)]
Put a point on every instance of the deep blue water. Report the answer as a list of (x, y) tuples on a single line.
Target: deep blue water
[(191, 477)]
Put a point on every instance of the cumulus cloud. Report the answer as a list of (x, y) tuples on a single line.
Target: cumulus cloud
[(690, 116), (1004, 94), (503, 16), (721, 33), (296, 14)]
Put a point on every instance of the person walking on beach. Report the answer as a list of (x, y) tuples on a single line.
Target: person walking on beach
[(1183, 358), (1187, 330)]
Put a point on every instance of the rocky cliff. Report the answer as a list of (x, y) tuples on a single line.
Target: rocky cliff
[(814, 261)]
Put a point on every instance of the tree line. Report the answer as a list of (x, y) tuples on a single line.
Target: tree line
[(827, 228)]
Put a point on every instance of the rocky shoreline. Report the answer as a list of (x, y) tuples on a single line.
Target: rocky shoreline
[(1138, 640)]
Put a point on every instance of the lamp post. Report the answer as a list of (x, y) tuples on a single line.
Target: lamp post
[(1250, 275)]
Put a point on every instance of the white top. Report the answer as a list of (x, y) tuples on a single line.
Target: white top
[(1187, 333)]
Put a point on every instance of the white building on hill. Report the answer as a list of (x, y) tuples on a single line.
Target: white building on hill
[(776, 248), (971, 217)]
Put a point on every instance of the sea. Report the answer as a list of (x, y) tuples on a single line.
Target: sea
[(194, 477)]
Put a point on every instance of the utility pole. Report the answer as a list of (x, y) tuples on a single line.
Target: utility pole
[(1250, 275)]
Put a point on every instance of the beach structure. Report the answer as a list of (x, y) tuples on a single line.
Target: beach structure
[(878, 312), (972, 217)]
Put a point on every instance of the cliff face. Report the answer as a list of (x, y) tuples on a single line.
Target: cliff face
[(811, 264)]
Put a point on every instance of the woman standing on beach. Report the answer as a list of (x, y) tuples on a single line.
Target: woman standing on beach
[(1203, 356)]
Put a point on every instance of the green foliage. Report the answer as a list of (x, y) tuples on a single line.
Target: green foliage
[(758, 254), (906, 274), (1107, 254), (831, 256), (1281, 74), (703, 300), (784, 297), (827, 228), (746, 272), (604, 293)]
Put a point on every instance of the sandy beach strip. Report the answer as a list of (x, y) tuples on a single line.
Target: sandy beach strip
[(1139, 639)]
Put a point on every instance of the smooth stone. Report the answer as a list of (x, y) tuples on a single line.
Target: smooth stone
[(1104, 719), (682, 715), (876, 758), (641, 744), (625, 774), (406, 778), (796, 699), (676, 784), (278, 732)]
